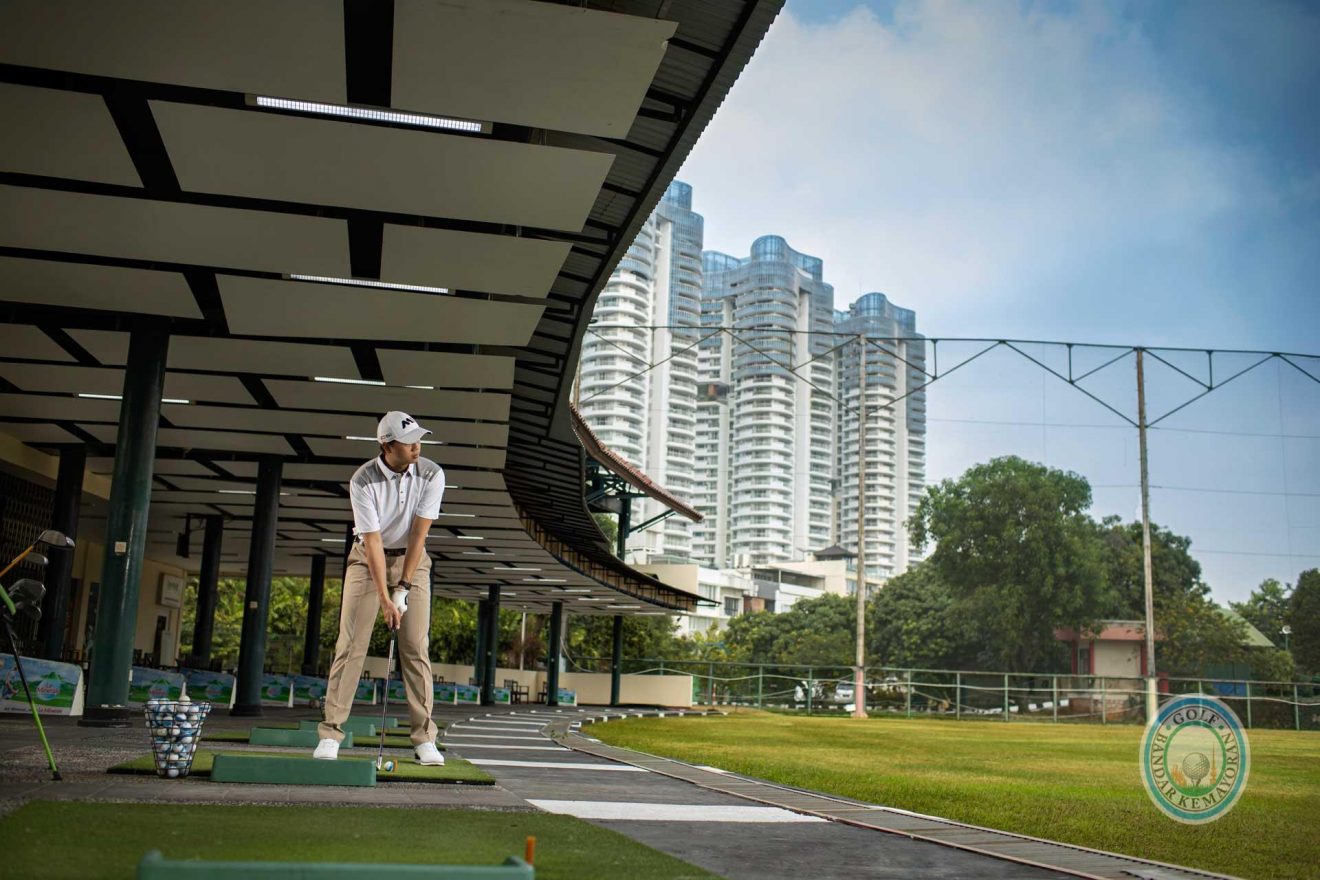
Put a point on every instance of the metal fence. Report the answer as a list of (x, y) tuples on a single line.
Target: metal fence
[(961, 694)]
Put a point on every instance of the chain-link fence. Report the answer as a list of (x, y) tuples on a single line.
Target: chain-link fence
[(967, 694)]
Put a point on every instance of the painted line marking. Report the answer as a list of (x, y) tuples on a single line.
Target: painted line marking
[(555, 765), (494, 736), (632, 811), (465, 746), (530, 734)]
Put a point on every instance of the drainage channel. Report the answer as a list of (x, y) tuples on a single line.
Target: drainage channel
[(1066, 858)]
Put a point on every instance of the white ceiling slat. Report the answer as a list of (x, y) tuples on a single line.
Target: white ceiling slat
[(542, 65), (263, 307), (445, 369), (62, 134), (471, 261), (113, 226), (290, 49), (106, 288), (27, 341), (336, 162), (329, 396), (228, 355)]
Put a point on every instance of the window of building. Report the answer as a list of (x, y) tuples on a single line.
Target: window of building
[(730, 606)]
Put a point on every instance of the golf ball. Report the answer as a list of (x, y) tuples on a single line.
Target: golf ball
[(389, 766)]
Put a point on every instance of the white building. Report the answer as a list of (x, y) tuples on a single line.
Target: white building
[(765, 436), (648, 312)]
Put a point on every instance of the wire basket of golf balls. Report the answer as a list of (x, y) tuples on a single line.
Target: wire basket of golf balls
[(176, 728)]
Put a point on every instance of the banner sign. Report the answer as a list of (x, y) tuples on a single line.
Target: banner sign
[(216, 688), (397, 693), (277, 690), (154, 684), (466, 694), (57, 688), (567, 698), (308, 689), (445, 693), (366, 692), (500, 695)]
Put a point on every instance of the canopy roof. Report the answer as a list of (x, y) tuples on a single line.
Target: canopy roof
[(472, 168)]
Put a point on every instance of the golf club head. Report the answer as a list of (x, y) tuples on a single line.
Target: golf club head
[(26, 595), (38, 559), (54, 538)]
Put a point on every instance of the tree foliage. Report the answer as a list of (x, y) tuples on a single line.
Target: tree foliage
[(914, 622), (1304, 617), (1267, 609), (1018, 553)]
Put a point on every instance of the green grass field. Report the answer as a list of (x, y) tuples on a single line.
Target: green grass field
[(1062, 782), (111, 839)]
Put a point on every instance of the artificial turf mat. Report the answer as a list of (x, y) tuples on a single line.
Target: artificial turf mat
[(455, 770), (112, 839), (279, 736), (242, 736)]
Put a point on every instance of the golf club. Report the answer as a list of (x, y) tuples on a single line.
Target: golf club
[(50, 536), (25, 598), (385, 702)]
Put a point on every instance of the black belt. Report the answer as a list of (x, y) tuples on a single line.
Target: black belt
[(399, 552)]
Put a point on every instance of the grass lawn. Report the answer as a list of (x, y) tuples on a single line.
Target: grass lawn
[(455, 770), (110, 839), (1062, 782)]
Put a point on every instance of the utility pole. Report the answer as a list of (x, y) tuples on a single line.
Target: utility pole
[(1152, 699), (859, 672)]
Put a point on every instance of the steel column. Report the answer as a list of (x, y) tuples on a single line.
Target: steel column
[(616, 661), (315, 602), (208, 585), (256, 600), (126, 528), (489, 661), (556, 649), (479, 656), (68, 498)]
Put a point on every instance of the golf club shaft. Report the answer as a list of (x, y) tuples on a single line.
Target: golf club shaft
[(385, 702), (32, 703), (16, 560)]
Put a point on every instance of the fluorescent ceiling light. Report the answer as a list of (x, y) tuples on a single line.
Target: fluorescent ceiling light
[(623, 606), (90, 396), (478, 552), (576, 590), (332, 540), (455, 538), (546, 580), (592, 599), (346, 381), (369, 282), (463, 515), (370, 114), (515, 568), (424, 443)]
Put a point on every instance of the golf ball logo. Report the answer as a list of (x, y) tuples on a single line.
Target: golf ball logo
[(48, 690), (1195, 759)]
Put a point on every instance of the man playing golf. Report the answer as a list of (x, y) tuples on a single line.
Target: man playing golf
[(395, 496)]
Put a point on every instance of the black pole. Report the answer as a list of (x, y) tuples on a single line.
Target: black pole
[(208, 587), (126, 528), (315, 601), (616, 660), (68, 498), (625, 525), (479, 658), (556, 649), (492, 645), (256, 600)]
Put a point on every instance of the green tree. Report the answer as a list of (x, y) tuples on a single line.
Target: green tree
[(1267, 609), (1018, 552), (814, 632), (592, 636), (608, 524), (1304, 617), (1192, 631), (915, 622)]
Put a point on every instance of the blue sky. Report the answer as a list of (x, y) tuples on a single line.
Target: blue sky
[(1137, 173)]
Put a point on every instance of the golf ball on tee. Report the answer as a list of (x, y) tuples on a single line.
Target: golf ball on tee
[(389, 766)]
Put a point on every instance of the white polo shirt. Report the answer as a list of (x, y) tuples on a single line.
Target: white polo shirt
[(386, 502)]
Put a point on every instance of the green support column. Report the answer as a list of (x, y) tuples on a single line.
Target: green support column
[(256, 600), (556, 649), (479, 657), (68, 498), (208, 586), (491, 656), (624, 524), (126, 529), (315, 602), (616, 661)]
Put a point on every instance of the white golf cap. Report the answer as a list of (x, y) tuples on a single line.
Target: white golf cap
[(401, 427)]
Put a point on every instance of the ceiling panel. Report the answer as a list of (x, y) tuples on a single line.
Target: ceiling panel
[(171, 232), (27, 341), (474, 479), (542, 65), (32, 432), (108, 288), (444, 369), (263, 307), (329, 424), (101, 465), (229, 355), (217, 440), (374, 398), (62, 134), (444, 455), (471, 261), (405, 171), (290, 49), (73, 409), (108, 380)]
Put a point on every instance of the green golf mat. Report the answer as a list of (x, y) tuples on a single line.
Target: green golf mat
[(358, 740), (278, 736), (455, 770), (154, 866)]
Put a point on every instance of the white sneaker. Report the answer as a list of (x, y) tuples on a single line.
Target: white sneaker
[(429, 755), (326, 750)]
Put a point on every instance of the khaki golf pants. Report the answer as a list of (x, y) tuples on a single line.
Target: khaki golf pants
[(358, 612)]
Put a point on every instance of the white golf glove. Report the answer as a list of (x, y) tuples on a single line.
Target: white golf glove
[(400, 599)]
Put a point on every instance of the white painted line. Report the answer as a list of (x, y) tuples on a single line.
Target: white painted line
[(555, 765), (491, 719), (671, 812), (530, 734), (494, 736), (711, 769), (466, 746)]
